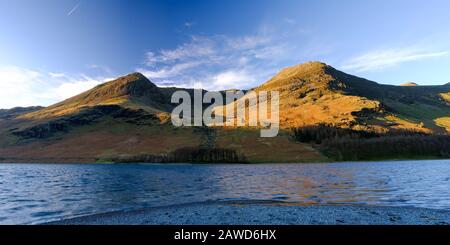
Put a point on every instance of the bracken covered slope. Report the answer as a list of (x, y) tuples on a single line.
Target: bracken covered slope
[(314, 92)]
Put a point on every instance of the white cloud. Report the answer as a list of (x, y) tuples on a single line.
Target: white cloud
[(102, 68), (171, 71), (69, 89), (380, 59), (266, 53), (150, 59), (229, 79), (27, 87), (56, 74), (197, 47), (19, 87), (248, 42), (221, 62), (189, 24)]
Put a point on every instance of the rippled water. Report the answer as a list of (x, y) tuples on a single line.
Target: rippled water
[(34, 193)]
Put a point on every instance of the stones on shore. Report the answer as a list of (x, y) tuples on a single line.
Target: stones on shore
[(273, 214)]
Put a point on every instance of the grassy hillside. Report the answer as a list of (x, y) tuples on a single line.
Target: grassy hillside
[(131, 91), (128, 119)]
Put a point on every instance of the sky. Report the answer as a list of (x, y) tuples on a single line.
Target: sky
[(51, 50)]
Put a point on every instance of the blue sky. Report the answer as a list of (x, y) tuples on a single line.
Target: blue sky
[(53, 49)]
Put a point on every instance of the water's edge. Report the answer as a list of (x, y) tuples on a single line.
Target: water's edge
[(260, 212)]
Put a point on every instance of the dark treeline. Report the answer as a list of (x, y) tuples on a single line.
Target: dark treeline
[(318, 133), (344, 144), (206, 155), (188, 154), (388, 147)]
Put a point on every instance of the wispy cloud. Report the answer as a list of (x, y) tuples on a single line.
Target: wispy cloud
[(189, 24), (197, 47), (290, 21), (220, 62), (102, 68), (55, 75), (381, 59), (73, 9), (170, 71)]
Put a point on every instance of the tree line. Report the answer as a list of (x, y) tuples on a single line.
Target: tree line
[(345, 144), (186, 155)]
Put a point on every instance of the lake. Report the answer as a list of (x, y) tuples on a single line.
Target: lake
[(36, 193)]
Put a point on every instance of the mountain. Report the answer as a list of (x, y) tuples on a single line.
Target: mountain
[(130, 91), (128, 119), (409, 84), (314, 93)]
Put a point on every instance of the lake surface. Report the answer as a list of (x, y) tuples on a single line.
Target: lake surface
[(36, 193)]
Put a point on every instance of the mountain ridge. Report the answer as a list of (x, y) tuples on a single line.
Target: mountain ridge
[(130, 117), (335, 97)]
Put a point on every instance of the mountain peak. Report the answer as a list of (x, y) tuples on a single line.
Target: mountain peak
[(409, 84), (308, 67), (131, 85), (132, 79), (312, 72), (134, 76)]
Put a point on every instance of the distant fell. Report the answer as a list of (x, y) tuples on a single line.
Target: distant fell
[(16, 111), (409, 84)]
